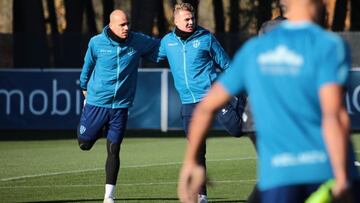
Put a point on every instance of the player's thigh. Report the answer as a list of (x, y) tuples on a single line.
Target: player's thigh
[(186, 115), (117, 125), (92, 121)]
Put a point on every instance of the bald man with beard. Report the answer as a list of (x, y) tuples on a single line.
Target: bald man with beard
[(108, 81)]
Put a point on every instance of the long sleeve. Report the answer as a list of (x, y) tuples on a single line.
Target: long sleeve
[(88, 67), (218, 54)]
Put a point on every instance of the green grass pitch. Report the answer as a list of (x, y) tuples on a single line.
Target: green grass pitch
[(58, 171)]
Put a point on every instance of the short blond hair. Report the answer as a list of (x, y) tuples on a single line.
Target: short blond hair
[(183, 7)]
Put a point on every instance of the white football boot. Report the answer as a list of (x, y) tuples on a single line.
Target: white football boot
[(202, 199), (109, 200)]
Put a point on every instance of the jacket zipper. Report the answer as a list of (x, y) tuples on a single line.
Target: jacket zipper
[(117, 75), (185, 75)]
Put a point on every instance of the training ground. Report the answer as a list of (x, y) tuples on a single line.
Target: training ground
[(58, 171)]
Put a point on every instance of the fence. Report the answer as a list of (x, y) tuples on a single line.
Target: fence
[(50, 99)]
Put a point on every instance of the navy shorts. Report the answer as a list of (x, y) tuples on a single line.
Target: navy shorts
[(95, 120), (285, 194), (299, 193), (230, 116)]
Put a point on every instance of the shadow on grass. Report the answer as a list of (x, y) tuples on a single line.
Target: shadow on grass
[(150, 199)]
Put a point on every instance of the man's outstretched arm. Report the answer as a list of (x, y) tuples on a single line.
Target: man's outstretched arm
[(335, 126)]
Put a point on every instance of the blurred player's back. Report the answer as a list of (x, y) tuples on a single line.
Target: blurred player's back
[(291, 63), (294, 76)]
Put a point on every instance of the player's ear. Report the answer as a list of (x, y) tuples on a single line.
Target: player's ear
[(175, 21)]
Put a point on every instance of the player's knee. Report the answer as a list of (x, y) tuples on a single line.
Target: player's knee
[(85, 145), (113, 148), (230, 120), (236, 132)]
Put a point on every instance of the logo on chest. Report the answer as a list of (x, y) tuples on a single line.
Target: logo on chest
[(130, 51), (171, 44), (105, 51), (196, 44), (280, 61)]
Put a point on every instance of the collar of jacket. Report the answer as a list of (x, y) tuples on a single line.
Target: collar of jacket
[(199, 31), (183, 35)]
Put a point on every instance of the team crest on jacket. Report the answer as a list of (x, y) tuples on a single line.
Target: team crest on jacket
[(130, 51), (196, 43)]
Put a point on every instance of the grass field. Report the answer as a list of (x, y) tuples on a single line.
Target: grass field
[(57, 171)]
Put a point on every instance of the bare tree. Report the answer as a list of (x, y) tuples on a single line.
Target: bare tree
[(264, 12), (219, 16), (355, 15), (108, 7), (90, 18), (234, 16), (142, 15), (338, 23), (162, 23), (30, 43), (55, 36), (73, 37)]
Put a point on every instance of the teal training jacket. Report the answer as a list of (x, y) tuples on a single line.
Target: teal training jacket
[(109, 73), (193, 62)]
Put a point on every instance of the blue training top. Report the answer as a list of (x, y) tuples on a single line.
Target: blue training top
[(193, 62), (109, 73), (283, 71)]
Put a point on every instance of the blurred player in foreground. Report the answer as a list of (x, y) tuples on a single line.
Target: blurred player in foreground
[(294, 76), (108, 80), (266, 27)]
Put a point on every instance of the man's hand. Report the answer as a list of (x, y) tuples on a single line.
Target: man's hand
[(84, 93), (331, 191), (341, 192), (192, 176)]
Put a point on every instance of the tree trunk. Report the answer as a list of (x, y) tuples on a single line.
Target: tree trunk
[(142, 16), (108, 7), (6, 36), (355, 15), (161, 21), (74, 15), (234, 16), (30, 42), (264, 12), (219, 16), (55, 36), (90, 18), (6, 16), (72, 37), (339, 15)]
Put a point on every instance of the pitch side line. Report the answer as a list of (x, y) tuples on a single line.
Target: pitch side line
[(133, 166), (125, 184)]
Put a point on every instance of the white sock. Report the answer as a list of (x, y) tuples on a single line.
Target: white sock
[(109, 190)]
